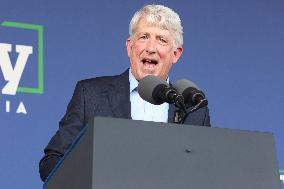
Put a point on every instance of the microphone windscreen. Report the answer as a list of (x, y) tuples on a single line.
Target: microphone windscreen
[(146, 88), (183, 84)]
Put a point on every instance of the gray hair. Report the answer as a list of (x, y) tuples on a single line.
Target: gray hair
[(166, 17)]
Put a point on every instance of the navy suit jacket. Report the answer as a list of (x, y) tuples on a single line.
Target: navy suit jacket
[(107, 96)]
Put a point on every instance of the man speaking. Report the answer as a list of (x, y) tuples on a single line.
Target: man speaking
[(154, 45)]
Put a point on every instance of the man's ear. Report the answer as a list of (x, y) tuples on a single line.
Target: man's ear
[(177, 54), (128, 45)]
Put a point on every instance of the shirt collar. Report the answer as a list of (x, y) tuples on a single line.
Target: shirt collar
[(134, 83)]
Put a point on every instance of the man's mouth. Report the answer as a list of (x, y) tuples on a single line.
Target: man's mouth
[(149, 61)]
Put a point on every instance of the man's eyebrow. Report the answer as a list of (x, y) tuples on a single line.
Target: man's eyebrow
[(160, 35), (145, 33)]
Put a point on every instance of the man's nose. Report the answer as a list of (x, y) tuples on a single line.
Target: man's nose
[(151, 46)]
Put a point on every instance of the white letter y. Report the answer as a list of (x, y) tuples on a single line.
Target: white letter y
[(11, 75)]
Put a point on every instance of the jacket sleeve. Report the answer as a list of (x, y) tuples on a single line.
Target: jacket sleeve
[(69, 127)]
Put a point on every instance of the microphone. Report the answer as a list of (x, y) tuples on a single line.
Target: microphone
[(191, 93), (157, 91)]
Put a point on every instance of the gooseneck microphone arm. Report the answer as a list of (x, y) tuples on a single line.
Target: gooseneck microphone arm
[(193, 97), (181, 114)]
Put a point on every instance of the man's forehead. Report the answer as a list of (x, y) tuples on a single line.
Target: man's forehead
[(151, 28), (144, 22)]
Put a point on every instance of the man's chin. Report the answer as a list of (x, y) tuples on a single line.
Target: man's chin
[(141, 76), (149, 72)]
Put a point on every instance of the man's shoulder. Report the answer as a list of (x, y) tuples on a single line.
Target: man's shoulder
[(98, 82)]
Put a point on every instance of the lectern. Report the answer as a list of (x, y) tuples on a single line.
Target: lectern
[(125, 154)]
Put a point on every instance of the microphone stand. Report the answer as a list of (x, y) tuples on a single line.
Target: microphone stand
[(181, 114)]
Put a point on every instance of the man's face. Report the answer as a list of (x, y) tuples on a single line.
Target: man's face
[(151, 51)]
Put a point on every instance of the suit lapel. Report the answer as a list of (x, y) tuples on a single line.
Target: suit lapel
[(119, 96)]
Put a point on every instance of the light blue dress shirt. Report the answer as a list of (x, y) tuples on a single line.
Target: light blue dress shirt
[(142, 110)]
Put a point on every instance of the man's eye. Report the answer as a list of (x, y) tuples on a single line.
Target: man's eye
[(143, 37), (163, 40)]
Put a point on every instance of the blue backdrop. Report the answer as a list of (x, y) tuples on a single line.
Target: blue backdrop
[(234, 50)]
